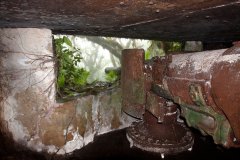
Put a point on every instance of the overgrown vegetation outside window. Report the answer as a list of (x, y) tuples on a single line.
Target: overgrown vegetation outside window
[(89, 65), (70, 77)]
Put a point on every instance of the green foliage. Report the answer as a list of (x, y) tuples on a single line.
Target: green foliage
[(160, 48), (147, 55), (155, 49), (70, 76), (112, 76), (67, 41), (174, 46)]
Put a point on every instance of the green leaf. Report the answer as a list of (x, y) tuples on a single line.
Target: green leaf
[(111, 76), (147, 55), (61, 81), (67, 41), (81, 77)]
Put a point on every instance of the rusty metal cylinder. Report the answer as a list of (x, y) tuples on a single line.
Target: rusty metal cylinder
[(133, 82), (189, 74)]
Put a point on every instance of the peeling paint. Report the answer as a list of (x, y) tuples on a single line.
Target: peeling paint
[(199, 62), (72, 145), (229, 58)]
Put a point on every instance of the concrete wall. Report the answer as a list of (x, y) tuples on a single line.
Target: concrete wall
[(29, 112)]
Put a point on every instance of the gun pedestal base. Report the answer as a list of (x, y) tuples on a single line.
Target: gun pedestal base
[(164, 138)]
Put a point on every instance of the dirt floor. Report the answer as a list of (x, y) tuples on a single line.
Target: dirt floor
[(114, 145)]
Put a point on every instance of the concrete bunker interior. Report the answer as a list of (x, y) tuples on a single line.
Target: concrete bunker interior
[(30, 116)]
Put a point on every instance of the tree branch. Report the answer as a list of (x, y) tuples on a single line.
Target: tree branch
[(113, 47)]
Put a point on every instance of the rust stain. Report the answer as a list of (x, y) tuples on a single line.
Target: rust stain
[(116, 122), (52, 126), (84, 117), (226, 93), (81, 123), (69, 137), (53, 137), (30, 108)]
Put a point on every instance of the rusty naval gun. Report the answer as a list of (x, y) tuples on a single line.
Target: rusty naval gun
[(199, 89)]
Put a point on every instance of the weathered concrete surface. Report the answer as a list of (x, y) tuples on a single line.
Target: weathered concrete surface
[(74, 124), (29, 113), (204, 20), (26, 73)]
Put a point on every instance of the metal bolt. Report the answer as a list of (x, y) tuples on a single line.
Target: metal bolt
[(190, 149), (207, 17), (169, 103), (121, 3), (137, 135), (160, 120), (150, 3), (162, 155), (234, 139), (157, 142), (150, 140)]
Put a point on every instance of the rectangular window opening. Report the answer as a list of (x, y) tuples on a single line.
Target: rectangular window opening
[(90, 65)]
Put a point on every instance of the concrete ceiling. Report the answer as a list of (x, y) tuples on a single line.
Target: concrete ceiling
[(206, 20)]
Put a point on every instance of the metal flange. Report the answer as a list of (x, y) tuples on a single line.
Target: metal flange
[(149, 135)]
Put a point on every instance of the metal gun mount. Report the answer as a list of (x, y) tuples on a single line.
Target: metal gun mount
[(202, 87)]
